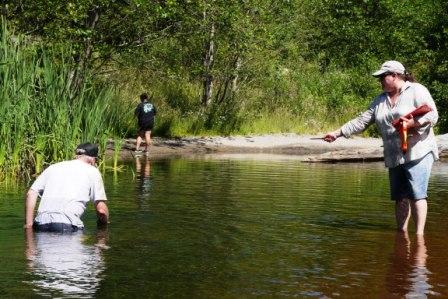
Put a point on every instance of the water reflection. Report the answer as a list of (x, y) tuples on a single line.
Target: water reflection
[(409, 276), (63, 265), (143, 174), (239, 229)]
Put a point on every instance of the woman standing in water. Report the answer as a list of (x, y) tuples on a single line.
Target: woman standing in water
[(409, 170)]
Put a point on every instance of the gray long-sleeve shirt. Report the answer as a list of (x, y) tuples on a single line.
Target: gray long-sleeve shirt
[(421, 140)]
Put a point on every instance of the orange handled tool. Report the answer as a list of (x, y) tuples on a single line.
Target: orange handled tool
[(402, 128), (404, 137)]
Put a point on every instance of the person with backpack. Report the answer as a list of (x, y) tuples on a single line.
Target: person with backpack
[(145, 113)]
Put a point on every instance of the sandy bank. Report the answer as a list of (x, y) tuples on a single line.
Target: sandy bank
[(304, 147)]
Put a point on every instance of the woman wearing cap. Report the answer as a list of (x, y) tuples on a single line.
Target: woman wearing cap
[(409, 170)]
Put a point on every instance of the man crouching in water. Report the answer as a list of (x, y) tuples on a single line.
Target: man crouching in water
[(65, 189)]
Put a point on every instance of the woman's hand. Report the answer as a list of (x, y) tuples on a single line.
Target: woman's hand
[(409, 122), (332, 136)]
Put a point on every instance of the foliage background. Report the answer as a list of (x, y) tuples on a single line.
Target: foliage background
[(237, 66)]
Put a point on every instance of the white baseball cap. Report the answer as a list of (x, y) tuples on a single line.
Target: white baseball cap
[(391, 66)]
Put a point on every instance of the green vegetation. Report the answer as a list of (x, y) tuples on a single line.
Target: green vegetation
[(42, 119), (214, 67)]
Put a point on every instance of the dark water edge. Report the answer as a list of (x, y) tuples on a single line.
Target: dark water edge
[(232, 228)]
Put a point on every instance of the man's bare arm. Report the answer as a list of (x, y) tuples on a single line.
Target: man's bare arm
[(30, 204), (102, 212)]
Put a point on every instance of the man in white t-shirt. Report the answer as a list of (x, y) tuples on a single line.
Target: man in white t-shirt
[(65, 189)]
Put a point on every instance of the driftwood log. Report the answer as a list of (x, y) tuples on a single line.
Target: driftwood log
[(304, 148)]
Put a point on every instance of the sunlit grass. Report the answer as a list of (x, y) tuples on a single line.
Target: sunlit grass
[(42, 119), (300, 99)]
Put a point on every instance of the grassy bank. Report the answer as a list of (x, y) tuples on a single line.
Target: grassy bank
[(42, 118), (300, 99)]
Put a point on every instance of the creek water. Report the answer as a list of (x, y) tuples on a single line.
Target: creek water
[(233, 227)]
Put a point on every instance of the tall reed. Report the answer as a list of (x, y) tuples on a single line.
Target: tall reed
[(42, 119)]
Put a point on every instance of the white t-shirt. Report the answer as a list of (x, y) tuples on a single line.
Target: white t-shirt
[(67, 188)]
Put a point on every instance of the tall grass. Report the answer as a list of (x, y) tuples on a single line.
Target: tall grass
[(42, 119), (299, 99)]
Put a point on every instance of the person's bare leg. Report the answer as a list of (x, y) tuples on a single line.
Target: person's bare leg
[(138, 165), (147, 140), (419, 209), (147, 168), (420, 255), (139, 141), (402, 214), (402, 243)]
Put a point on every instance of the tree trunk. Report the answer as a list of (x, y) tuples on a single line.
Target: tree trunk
[(208, 65), (231, 80), (79, 74), (236, 71)]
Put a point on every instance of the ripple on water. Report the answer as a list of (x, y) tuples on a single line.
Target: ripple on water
[(243, 228)]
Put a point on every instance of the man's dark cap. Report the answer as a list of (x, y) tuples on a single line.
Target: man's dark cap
[(88, 149)]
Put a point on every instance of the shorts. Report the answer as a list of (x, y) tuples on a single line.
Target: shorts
[(55, 227), (146, 127), (410, 180)]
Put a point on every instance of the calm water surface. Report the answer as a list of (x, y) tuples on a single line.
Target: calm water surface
[(233, 227)]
